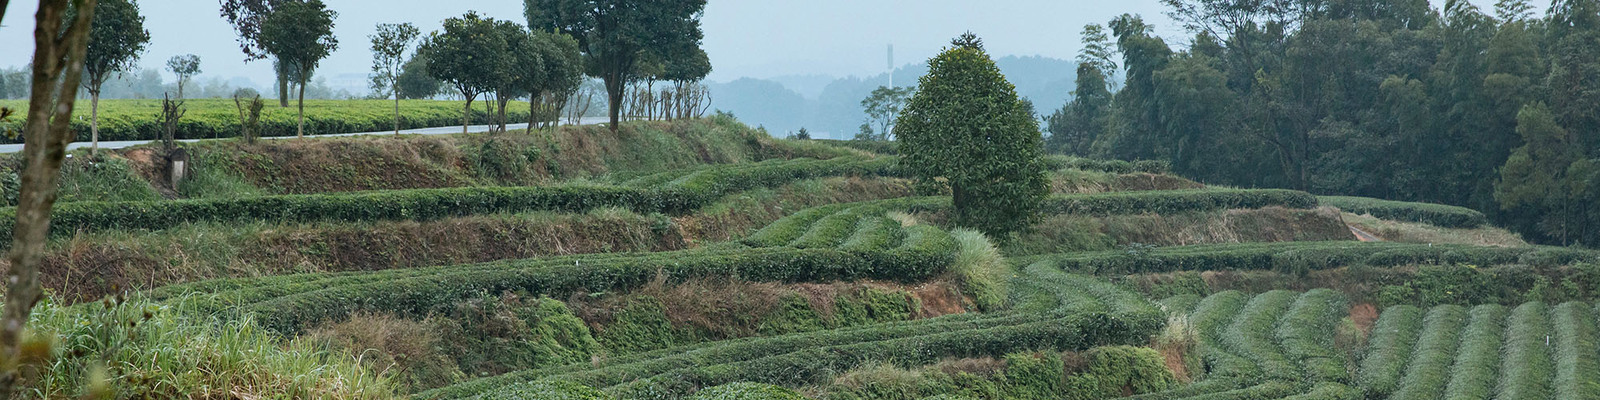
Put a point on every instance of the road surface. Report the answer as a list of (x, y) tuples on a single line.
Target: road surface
[(444, 130)]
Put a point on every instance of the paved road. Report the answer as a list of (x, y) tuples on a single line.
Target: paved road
[(444, 130)]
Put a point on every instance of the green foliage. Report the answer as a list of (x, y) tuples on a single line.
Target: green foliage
[(1033, 375), (883, 108), (980, 269), (688, 193), (153, 349), (1434, 214), (966, 129), (108, 179), (642, 325), (1577, 340), (1114, 371), (1173, 201), (1429, 367), (1252, 336), (1294, 257), (127, 119), (1477, 361), (1388, 350), (116, 39), (546, 390), (1528, 366), (390, 44), (746, 391), (1077, 320), (496, 334), (1307, 330), (619, 38), (1058, 162)]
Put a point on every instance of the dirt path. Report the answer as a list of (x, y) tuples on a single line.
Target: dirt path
[(1363, 235)]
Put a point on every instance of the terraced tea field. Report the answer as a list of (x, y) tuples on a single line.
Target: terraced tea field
[(805, 270)]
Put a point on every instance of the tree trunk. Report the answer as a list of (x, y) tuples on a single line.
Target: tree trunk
[(94, 121), (397, 110), (283, 91), (48, 129), (466, 113), (614, 97), (502, 115), (533, 116), (302, 105), (180, 86)]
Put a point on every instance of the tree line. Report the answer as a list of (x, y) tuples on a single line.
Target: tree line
[(1491, 109)]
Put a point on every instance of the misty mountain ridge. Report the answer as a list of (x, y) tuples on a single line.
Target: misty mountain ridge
[(830, 107)]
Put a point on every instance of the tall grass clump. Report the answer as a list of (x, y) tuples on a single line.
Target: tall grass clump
[(1528, 369), (980, 270), (153, 350)]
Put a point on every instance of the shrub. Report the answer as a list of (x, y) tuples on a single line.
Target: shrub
[(811, 357), (126, 119), (1575, 347), (747, 391), (1527, 369), (1289, 257), (1251, 335), (1115, 371), (1477, 362), (548, 390), (1429, 369), (1434, 214), (1307, 332), (1393, 337), (1174, 201), (1112, 166)]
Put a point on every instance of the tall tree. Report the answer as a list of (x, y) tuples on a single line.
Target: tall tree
[(883, 108), (967, 129), (59, 49), (300, 34), (389, 47), (1076, 126), (469, 55), (414, 81), (116, 40), (247, 16), (184, 66), (1547, 176), (614, 35), (523, 72), (561, 67)]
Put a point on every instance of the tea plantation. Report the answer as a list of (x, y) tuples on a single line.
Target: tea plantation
[(792, 269)]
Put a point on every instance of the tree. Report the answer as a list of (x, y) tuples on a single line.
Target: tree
[(521, 74), (247, 17), (883, 108), (115, 42), (249, 105), (468, 55), (966, 129), (414, 81), (389, 47), (1075, 127), (1546, 175), (562, 71), (615, 35), (59, 50), (185, 66), (300, 35)]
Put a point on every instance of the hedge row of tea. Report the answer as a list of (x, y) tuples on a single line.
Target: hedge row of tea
[(1299, 257), (1534, 351), (219, 118), (1074, 313), (1275, 345), (677, 196), (1433, 214), (289, 302)]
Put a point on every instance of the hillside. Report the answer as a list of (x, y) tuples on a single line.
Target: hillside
[(704, 259)]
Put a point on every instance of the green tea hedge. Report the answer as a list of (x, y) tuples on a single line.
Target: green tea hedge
[(219, 118), (1429, 369), (1434, 214), (1299, 257), (1477, 361), (1388, 350)]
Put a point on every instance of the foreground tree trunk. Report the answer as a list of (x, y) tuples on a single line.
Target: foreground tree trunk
[(283, 91), (94, 121), (614, 94), (302, 107), (57, 57), (397, 110), (466, 114)]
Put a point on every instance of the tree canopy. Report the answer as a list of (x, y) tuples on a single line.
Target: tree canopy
[(300, 36), (967, 130), (615, 35)]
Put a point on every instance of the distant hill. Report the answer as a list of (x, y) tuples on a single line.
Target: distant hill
[(831, 107)]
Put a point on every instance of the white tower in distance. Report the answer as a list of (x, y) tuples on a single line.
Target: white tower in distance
[(891, 65)]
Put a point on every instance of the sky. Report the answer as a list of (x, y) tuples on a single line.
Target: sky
[(745, 38)]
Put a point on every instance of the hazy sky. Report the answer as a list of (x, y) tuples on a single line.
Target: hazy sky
[(754, 38)]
